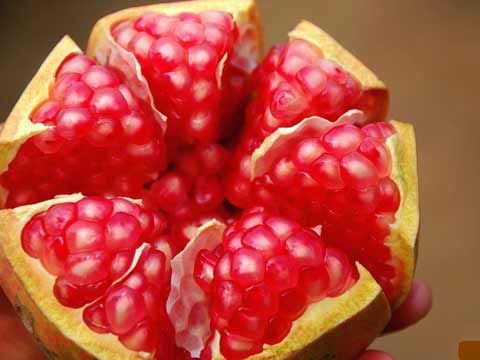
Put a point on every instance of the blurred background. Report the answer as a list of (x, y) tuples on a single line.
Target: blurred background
[(427, 52)]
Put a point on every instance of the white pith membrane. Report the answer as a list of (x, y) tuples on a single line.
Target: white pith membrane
[(103, 47), (188, 306), (187, 301), (38, 283)]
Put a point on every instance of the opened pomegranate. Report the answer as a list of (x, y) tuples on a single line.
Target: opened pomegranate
[(278, 212)]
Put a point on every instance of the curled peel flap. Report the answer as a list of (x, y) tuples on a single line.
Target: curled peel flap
[(280, 142), (186, 297)]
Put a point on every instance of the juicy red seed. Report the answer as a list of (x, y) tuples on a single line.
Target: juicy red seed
[(262, 239), (326, 170), (96, 319), (228, 297), (358, 172), (76, 64), (166, 54), (388, 196), (378, 154), (122, 232), (293, 303), (315, 282), (124, 309), (120, 263), (208, 193), (339, 270), (58, 217), (306, 248), (283, 173), (277, 329), (261, 300), (33, 237), (84, 236), (342, 139), (46, 112), (170, 191), (248, 267), (247, 324), (54, 255), (99, 76), (282, 272), (306, 152), (234, 346), (96, 209), (154, 267), (73, 123), (87, 268), (189, 32), (77, 94), (143, 337), (108, 102), (223, 267)]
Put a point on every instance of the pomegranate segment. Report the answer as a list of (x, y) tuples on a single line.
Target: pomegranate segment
[(186, 60), (263, 277), (89, 246), (340, 180), (294, 81), (98, 130)]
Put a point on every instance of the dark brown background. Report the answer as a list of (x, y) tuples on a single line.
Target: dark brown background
[(426, 51)]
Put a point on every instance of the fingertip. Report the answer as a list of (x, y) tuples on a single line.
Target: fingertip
[(416, 306), (375, 355)]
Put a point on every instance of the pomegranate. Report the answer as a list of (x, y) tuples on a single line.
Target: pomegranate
[(278, 208)]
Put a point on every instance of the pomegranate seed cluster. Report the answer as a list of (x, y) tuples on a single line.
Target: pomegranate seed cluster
[(263, 276), (91, 244), (101, 139), (182, 59), (340, 180), (294, 81), (191, 193), (134, 309)]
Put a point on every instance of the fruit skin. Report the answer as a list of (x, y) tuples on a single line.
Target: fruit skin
[(59, 330), (402, 240), (105, 50), (334, 51), (18, 128), (335, 328)]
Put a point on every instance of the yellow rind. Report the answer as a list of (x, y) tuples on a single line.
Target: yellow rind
[(333, 50), (60, 330), (334, 328), (18, 128), (241, 10), (403, 236)]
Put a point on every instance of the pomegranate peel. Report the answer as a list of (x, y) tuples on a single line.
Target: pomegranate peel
[(326, 329), (333, 50), (403, 236)]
